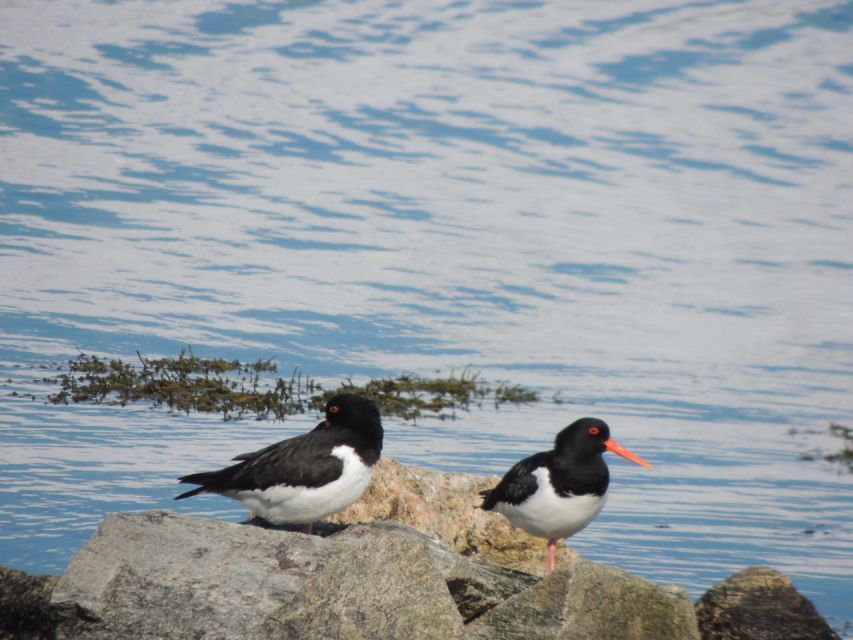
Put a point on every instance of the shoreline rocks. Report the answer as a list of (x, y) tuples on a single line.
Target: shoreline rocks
[(759, 603), (581, 600), (424, 563), (163, 575), (25, 611)]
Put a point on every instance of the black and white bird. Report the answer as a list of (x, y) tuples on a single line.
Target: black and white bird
[(554, 494), (304, 479)]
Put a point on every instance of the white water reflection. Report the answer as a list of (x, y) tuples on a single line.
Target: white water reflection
[(641, 207)]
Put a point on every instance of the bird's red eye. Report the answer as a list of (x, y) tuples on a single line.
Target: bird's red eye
[(593, 431), (334, 408)]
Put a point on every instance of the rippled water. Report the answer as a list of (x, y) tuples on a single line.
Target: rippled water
[(642, 207)]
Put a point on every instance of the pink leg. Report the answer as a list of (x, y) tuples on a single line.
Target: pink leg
[(552, 554), (307, 528)]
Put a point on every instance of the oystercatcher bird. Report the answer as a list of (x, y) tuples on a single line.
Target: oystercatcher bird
[(306, 478), (554, 494)]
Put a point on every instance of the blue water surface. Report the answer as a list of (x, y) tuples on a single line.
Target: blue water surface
[(639, 209)]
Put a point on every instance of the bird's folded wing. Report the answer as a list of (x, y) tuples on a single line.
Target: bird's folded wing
[(517, 485), (304, 461)]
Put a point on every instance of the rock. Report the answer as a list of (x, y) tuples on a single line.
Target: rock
[(582, 600), (446, 505), (474, 586), (161, 575), (365, 599), (24, 605), (759, 603)]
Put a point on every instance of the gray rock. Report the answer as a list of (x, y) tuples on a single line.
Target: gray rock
[(582, 600), (400, 596), (161, 575), (24, 605), (475, 586), (759, 603)]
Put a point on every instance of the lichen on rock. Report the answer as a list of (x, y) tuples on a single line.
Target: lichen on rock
[(446, 505)]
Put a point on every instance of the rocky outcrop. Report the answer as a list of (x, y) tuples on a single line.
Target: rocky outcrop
[(24, 605), (759, 603), (161, 575), (582, 600), (446, 505), (422, 575), (388, 588)]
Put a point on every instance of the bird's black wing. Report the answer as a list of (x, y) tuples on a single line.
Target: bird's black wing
[(517, 485), (254, 454), (305, 461)]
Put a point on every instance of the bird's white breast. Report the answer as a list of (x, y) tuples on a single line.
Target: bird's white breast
[(281, 504), (549, 515)]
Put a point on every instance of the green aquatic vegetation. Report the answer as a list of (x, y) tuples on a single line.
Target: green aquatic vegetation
[(186, 383), (189, 383), (410, 396), (513, 394), (843, 456)]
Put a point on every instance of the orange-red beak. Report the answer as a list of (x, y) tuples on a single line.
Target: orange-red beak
[(618, 449)]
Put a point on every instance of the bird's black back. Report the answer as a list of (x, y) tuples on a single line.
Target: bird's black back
[(517, 485)]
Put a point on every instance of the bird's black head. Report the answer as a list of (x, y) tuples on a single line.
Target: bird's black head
[(586, 439), (357, 415), (583, 439)]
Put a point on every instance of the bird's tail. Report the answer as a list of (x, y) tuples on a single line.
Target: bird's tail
[(190, 493), (209, 480)]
